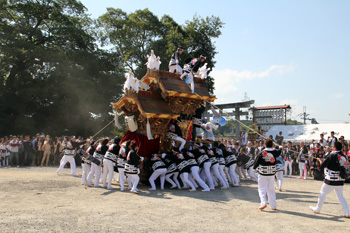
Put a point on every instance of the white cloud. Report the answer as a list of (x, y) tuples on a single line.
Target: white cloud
[(235, 75), (226, 80), (337, 96)]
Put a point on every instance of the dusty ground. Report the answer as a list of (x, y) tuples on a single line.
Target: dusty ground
[(36, 199)]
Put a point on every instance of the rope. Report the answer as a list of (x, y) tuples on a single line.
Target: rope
[(103, 128)]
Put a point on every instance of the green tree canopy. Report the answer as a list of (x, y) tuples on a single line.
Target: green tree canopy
[(134, 35), (59, 69), (53, 76)]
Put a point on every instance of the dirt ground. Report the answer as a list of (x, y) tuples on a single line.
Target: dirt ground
[(36, 199)]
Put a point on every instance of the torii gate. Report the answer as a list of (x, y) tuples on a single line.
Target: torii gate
[(236, 112)]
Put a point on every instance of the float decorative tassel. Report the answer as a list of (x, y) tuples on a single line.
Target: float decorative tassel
[(116, 121), (148, 129)]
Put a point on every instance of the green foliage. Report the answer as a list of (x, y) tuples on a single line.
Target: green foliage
[(52, 73), (53, 76), (133, 36), (293, 122)]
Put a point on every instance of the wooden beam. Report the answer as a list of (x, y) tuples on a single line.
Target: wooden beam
[(245, 104)]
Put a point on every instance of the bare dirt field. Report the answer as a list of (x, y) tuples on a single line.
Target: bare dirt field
[(36, 199)]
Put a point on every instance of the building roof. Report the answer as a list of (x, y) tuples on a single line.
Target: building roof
[(272, 107)]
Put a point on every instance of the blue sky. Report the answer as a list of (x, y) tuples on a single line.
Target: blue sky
[(276, 51)]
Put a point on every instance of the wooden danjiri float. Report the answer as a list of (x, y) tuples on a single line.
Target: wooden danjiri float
[(151, 103)]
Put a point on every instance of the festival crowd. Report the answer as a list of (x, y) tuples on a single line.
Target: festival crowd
[(302, 159)]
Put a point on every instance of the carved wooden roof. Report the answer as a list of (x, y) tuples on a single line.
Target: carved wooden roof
[(171, 85), (168, 97), (150, 105)]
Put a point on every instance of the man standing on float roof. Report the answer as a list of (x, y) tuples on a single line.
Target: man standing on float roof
[(191, 67), (175, 60)]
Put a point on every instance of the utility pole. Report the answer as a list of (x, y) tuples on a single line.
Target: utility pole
[(304, 116)]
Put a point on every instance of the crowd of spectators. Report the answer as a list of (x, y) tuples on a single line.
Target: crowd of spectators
[(317, 150), (38, 150), (43, 150)]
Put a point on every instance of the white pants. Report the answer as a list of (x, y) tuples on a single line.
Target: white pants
[(240, 171), (233, 174), (190, 78), (67, 159), (302, 170), (180, 139), (206, 172), (86, 170), (279, 179), (195, 174), (227, 172), (95, 170), (135, 181), (122, 179), (288, 164), (222, 173), (215, 170), (186, 182), (325, 190), (252, 174), (108, 168), (159, 172), (266, 186), (174, 183), (176, 67)]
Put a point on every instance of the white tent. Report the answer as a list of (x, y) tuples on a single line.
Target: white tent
[(309, 132)]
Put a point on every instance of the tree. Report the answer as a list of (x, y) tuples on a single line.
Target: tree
[(53, 76), (133, 36)]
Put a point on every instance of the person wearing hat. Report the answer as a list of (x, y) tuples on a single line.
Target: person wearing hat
[(109, 161), (175, 60), (334, 170)]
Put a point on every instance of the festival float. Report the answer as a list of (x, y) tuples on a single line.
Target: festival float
[(150, 104)]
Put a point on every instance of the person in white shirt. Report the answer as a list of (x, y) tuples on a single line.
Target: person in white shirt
[(244, 138), (322, 141)]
